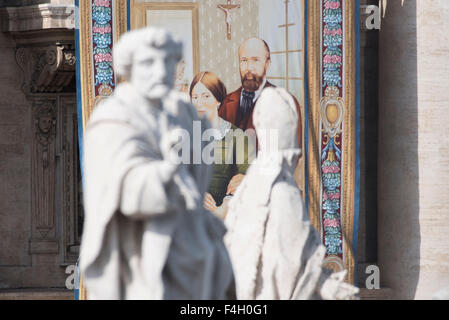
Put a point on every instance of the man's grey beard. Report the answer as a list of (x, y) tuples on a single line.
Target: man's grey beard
[(253, 84)]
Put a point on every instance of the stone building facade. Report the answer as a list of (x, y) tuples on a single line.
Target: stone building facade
[(413, 149), (39, 166)]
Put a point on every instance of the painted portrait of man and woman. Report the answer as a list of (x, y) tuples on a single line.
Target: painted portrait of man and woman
[(231, 54)]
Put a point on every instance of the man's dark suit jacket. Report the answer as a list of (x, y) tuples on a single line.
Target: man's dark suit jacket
[(230, 111)]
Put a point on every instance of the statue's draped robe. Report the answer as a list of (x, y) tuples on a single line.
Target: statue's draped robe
[(140, 240), (275, 251)]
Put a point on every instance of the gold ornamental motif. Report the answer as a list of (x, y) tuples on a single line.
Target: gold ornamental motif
[(332, 111), (334, 263)]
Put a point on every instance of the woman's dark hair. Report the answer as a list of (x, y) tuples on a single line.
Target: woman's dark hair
[(212, 83)]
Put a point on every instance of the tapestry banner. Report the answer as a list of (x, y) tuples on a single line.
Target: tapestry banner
[(313, 49)]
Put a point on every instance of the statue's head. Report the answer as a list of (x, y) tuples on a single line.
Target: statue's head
[(147, 58), (45, 123), (45, 118), (275, 114)]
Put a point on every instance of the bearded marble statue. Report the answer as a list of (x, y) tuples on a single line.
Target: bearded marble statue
[(275, 251), (146, 234)]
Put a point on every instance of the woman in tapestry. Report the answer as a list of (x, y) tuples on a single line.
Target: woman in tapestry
[(233, 149)]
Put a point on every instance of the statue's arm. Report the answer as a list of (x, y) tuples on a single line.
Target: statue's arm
[(145, 189)]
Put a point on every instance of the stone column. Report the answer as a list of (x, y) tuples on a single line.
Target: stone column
[(413, 224)]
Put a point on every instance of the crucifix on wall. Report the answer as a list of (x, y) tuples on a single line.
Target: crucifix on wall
[(226, 8)]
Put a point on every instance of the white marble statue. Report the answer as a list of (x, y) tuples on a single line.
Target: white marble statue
[(442, 294), (275, 251), (146, 234)]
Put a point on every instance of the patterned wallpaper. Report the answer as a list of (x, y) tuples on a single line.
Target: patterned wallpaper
[(217, 54)]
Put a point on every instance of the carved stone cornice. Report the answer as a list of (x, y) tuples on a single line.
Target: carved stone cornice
[(47, 69), (37, 17)]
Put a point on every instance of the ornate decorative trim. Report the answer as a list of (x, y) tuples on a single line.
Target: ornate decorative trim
[(46, 69), (54, 188), (44, 169), (313, 114), (349, 143), (102, 22), (331, 157), (332, 112), (331, 120)]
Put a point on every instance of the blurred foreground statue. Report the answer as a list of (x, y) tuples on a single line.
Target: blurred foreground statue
[(442, 294), (146, 233), (275, 251)]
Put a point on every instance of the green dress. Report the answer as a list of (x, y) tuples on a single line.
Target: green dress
[(233, 154)]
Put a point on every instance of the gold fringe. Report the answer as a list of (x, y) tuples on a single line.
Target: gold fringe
[(82, 290)]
